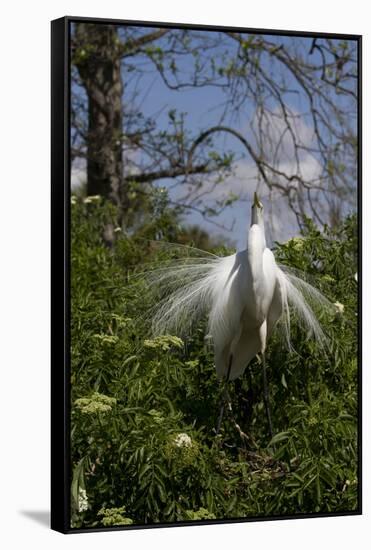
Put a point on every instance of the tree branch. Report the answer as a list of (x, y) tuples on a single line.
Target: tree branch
[(130, 47), (167, 173), (215, 129)]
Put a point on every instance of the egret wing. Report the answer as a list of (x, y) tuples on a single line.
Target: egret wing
[(230, 295), (245, 347), (185, 290), (303, 303)]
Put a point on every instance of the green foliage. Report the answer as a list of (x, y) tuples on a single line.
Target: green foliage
[(96, 403), (164, 343), (114, 516), (144, 410), (202, 513)]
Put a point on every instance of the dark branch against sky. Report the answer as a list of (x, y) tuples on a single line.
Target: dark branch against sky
[(196, 83)]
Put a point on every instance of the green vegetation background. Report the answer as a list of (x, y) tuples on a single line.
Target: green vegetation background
[(144, 410)]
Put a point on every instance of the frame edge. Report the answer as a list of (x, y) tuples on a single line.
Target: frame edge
[(59, 517)]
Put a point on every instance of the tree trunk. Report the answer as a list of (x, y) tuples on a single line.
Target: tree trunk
[(98, 62)]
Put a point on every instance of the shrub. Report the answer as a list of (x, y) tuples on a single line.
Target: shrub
[(143, 410)]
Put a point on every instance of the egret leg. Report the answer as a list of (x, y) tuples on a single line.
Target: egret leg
[(266, 396), (250, 394), (225, 396), (226, 400)]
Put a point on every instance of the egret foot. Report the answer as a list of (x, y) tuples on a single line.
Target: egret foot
[(246, 438)]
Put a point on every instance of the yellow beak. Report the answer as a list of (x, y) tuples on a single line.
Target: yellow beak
[(257, 201)]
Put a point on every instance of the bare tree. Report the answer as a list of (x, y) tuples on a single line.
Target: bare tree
[(99, 64), (299, 96)]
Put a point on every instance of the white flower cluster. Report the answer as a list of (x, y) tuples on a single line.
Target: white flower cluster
[(339, 307), (83, 500), (91, 199), (183, 440)]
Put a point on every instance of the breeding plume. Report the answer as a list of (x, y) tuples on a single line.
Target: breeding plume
[(245, 296)]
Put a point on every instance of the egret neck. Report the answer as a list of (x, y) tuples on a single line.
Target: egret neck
[(256, 245), (257, 217)]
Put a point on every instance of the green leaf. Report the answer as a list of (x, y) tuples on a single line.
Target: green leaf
[(279, 437)]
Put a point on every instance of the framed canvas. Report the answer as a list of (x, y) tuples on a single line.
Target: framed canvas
[(206, 274)]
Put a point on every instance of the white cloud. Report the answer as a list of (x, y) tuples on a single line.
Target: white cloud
[(281, 221), (280, 153), (78, 173)]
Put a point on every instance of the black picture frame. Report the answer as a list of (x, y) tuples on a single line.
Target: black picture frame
[(60, 269)]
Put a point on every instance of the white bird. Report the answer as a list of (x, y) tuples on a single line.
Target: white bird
[(244, 295)]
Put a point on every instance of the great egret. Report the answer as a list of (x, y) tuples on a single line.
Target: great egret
[(244, 295)]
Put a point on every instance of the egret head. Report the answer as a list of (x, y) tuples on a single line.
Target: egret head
[(256, 211)]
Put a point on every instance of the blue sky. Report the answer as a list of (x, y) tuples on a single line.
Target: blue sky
[(203, 108)]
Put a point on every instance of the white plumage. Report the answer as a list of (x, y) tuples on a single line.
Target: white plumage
[(244, 296)]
